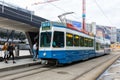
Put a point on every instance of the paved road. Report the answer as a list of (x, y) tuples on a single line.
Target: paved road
[(112, 73), (75, 71)]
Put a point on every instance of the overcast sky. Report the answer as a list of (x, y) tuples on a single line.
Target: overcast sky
[(103, 12)]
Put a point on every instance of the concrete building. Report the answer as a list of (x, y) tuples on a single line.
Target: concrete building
[(113, 34), (101, 31), (118, 35)]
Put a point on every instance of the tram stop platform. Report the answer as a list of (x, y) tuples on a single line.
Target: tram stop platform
[(20, 63), (24, 60)]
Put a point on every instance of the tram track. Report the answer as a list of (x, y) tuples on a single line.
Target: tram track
[(88, 70), (1, 76), (25, 73), (95, 72), (111, 73)]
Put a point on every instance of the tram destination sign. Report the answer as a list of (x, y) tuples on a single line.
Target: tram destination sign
[(46, 25)]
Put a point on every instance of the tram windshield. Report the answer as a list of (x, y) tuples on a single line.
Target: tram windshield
[(45, 39)]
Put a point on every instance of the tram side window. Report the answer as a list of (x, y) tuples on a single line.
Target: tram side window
[(97, 46), (86, 42), (76, 40), (58, 39), (107, 45), (69, 39), (91, 42), (81, 41), (102, 46)]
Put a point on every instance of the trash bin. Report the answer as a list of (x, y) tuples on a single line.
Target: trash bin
[(17, 50)]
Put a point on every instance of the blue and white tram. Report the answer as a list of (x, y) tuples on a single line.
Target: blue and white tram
[(64, 45)]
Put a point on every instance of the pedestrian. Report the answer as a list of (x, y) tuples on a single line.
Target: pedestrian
[(6, 52), (37, 50), (10, 49), (17, 50), (34, 51)]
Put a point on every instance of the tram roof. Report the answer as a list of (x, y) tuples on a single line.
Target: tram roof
[(64, 25)]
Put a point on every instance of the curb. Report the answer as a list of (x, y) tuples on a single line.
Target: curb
[(22, 57), (95, 73)]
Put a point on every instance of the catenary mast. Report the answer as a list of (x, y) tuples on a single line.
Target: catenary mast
[(83, 15)]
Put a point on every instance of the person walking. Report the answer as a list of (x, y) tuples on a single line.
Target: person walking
[(37, 51), (6, 52), (34, 51), (10, 49)]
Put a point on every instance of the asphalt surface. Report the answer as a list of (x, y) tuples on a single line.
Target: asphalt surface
[(83, 70)]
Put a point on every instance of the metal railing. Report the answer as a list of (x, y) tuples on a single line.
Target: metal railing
[(27, 15), (3, 3)]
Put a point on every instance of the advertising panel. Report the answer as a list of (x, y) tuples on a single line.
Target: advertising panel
[(73, 24), (107, 32), (100, 32), (103, 32)]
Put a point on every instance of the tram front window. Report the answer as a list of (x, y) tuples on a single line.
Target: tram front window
[(45, 39), (58, 39)]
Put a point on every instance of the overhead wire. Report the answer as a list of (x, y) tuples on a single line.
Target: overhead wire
[(100, 8), (63, 9), (78, 17)]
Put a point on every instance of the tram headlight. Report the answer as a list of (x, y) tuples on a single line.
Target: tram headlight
[(44, 54)]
